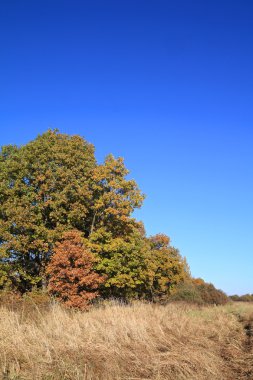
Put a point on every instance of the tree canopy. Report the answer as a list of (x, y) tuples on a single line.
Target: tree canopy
[(53, 186), (45, 189)]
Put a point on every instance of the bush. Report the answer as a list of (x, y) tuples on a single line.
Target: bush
[(243, 298), (38, 298), (199, 292), (186, 292), (10, 299), (211, 295), (31, 304)]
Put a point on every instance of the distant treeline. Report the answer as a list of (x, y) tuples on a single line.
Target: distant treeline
[(243, 298)]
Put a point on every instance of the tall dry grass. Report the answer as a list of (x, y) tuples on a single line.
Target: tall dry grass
[(115, 342)]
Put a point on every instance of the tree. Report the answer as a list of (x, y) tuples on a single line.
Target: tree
[(115, 198), (51, 185), (136, 266), (122, 261), (44, 190), (211, 295), (166, 268), (72, 278), (198, 291)]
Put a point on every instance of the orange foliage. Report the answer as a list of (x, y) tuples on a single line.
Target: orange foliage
[(71, 275), (198, 281), (160, 241)]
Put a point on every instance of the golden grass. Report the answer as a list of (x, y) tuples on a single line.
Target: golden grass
[(116, 342)]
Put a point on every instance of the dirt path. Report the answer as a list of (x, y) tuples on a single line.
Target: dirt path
[(248, 347), (239, 360)]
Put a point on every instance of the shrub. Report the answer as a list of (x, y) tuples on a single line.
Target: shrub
[(243, 298), (211, 295), (186, 292), (199, 292)]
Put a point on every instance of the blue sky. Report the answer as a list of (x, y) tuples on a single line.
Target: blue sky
[(166, 84)]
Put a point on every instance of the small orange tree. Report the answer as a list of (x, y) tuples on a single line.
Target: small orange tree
[(72, 278)]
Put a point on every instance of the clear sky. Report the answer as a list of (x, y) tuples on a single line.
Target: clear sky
[(166, 84)]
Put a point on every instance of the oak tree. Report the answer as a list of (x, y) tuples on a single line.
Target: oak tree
[(44, 190), (51, 185)]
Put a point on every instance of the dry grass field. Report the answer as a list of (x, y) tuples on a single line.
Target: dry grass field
[(117, 342)]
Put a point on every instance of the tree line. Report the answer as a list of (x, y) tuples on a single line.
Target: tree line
[(66, 225), (243, 298)]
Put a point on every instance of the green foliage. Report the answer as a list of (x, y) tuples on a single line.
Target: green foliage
[(243, 298), (136, 266), (114, 198), (187, 292), (166, 268), (122, 261), (53, 185), (199, 292), (44, 190)]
